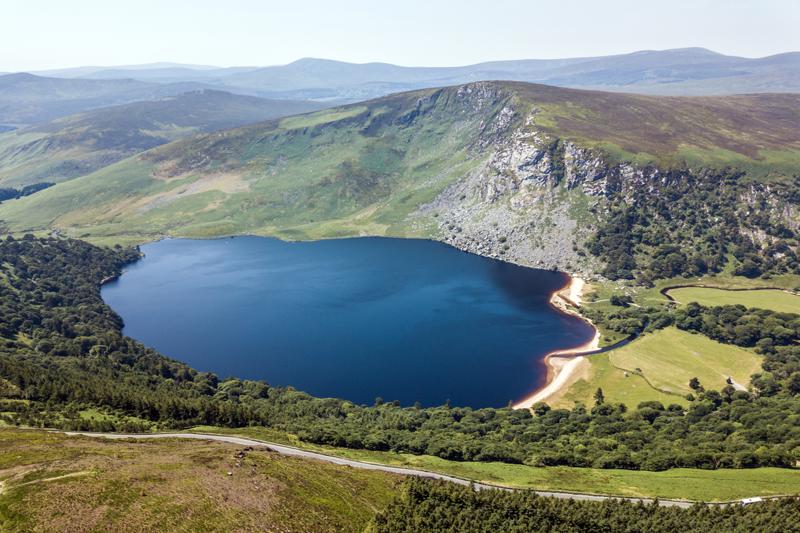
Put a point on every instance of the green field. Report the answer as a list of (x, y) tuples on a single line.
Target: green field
[(669, 358), (678, 483), (658, 366), (49, 482), (776, 300), (630, 388), (598, 294)]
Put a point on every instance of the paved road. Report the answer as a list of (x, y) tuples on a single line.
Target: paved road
[(297, 452)]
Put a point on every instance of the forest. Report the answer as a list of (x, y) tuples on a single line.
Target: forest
[(691, 225), (62, 351), (429, 506), (8, 193)]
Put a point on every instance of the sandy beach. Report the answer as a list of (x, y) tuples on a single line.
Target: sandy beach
[(563, 364)]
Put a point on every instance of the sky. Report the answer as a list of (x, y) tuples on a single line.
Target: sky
[(45, 34)]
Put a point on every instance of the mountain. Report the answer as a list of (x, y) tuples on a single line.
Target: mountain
[(26, 99), (539, 175), (89, 71), (153, 72), (79, 144), (692, 71), (687, 71)]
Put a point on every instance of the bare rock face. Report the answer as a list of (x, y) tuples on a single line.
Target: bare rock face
[(535, 199)]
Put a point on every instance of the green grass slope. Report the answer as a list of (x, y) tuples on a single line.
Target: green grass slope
[(82, 143), (358, 169), (366, 168)]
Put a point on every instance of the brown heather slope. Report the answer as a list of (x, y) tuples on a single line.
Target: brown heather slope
[(53, 483), (670, 128)]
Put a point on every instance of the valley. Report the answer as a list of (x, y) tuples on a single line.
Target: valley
[(585, 292)]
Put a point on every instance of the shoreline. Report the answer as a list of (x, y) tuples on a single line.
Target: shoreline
[(562, 364)]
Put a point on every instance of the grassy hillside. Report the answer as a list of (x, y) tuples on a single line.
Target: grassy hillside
[(50, 482), (79, 144), (345, 171), (780, 301), (758, 133), (367, 168)]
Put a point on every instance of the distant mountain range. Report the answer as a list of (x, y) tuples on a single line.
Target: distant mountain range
[(27, 98), (688, 71), (78, 144)]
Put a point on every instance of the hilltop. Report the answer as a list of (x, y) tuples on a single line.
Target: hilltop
[(533, 173), (684, 71), (28, 99), (79, 144)]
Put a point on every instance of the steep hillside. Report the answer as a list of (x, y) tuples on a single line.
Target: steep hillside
[(79, 144), (536, 174)]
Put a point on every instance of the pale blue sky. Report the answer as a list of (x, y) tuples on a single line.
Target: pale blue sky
[(40, 34)]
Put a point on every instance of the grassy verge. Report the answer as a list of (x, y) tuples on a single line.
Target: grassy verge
[(679, 483)]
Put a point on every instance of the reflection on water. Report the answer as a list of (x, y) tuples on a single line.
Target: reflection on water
[(406, 320)]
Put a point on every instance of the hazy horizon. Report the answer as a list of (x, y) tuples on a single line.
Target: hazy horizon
[(202, 66), (416, 33)]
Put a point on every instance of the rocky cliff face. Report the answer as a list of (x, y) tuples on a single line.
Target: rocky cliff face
[(535, 199)]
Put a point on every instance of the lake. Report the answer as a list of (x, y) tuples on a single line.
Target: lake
[(399, 319)]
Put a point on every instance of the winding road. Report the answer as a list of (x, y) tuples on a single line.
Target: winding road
[(298, 452)]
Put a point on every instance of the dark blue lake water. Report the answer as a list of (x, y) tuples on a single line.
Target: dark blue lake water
[(407, 320)]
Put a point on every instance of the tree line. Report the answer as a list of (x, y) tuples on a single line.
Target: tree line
[(434, 506), (62, 351), (8, 193)]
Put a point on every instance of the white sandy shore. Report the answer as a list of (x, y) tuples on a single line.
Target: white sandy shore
[(561, 365), (576, 286)]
